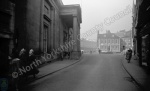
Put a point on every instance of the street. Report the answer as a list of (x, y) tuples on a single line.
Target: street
[(95, 72)]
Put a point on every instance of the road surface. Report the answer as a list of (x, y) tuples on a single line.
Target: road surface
[(95, 72)]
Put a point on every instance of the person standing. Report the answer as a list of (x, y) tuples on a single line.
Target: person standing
[(129, 55), (32, 59), (99, 51)]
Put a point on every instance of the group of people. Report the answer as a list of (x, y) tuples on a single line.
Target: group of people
[(23, 59)]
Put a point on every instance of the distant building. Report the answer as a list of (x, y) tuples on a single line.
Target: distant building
[(109, 42), (126, 37), (88, 45)]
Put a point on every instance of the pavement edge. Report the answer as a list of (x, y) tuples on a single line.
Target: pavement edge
[(57, 70), (137, 83)]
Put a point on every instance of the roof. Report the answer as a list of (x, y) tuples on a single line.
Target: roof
[(74, 6), (60, 2), (124, 34), (108, 35)]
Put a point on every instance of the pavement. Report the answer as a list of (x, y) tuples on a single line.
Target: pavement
[(139, 74), (51, 68)]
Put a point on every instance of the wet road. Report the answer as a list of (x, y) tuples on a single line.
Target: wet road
[(94, 72)]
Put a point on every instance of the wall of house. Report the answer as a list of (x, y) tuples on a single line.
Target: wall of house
[(107, 45)]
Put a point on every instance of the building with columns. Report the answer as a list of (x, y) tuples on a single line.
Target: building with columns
[(47, 26), (109, 42), (71, 14)]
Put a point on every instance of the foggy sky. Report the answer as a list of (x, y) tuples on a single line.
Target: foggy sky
[(95, 11)]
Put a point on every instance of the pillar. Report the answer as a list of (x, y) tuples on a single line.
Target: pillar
[(76, 51)]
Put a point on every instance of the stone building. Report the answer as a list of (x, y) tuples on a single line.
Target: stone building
[(126, 36), (6, 33), (109, 42), (46, 25), (43, 25), (88, 45), (140, 29)]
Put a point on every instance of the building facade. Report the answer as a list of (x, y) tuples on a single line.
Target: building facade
[(126, 36), (140, 29), (7, 17), (47, 26), (109, 42), (88, 45)]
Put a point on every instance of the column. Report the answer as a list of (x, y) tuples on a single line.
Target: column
[(75, 54), (52, 28), (79, 45), (41, 27)]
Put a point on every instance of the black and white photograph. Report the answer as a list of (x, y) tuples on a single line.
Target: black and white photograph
[(74, 45)]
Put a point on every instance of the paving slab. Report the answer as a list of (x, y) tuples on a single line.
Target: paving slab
[(139, 74)]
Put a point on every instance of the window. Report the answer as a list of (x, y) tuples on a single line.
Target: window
[(116, 41), (116, 47), (45, 38), (105, 47), (112, 46), (102, 41), (46, 10), (101, 47), (108, 40), (113, 41)]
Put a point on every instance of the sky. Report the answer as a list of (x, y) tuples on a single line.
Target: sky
[(95, 12)]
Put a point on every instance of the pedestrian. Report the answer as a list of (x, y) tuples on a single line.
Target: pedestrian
[(91, 52), (14, 54), (23, 56), (32, 58), (69, 55), (129, 55), (59, 55), (99, 51)]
